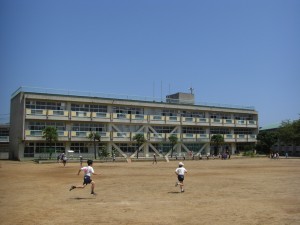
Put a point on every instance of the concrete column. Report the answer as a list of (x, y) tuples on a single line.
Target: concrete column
[(233, 148), (207, 148), (146, 150), (68, 146)]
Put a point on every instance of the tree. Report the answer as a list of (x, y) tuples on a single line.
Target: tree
[(217, 140), (266, 139), (104, 153), (94, 136), (289, 132), (51, 136), (173, 140), (140, 139)]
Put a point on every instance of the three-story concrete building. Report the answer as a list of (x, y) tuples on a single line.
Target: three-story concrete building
[(118, 119)]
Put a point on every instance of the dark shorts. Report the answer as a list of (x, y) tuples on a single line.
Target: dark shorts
[(180, 177), (87, 180)]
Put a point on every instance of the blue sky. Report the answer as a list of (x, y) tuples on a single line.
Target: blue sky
[(231, 52)]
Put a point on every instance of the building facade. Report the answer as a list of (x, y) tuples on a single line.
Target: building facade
[(118, 119)]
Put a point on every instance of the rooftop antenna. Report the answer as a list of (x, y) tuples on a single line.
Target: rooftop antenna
[(153, 90), (191, 90), (161, 90)]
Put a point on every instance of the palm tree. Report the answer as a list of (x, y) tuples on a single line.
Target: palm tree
[(140, 139), (51, 136), (217, 140), (94, 136), (173, 139)]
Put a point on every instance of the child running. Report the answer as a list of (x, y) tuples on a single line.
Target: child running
[(180, 171), (88, 171)]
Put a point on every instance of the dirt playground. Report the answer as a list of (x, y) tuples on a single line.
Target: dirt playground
[(237, 191)]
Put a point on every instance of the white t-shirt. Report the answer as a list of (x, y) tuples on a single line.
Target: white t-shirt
[(181, 170), (88, 170)]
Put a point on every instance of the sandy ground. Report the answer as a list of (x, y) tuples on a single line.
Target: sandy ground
[(236, 191)]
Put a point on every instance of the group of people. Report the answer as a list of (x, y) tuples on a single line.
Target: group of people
[(274, 155), (62, 158), (89, 171)]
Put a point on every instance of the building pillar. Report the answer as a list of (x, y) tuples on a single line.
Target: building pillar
[(146, 149), (207, 149), (67, 146), (233, 148)]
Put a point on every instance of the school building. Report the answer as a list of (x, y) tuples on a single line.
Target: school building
[(118, 119)]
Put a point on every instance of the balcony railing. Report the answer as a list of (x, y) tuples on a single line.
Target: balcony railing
[(4, 138), (140, 118), (128, 136)]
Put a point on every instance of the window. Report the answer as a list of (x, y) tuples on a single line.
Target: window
[(193, 130), (88, 108), (163, 129), (33, 125), (215, 115), (44, 147), (4, 132), (243, 117), (163, 148), (29, 150), (32, 104), (128, 149), (79, 148), (128, 110), (219, 131), (242, 131), (196, 114), (89, 127), (195, 147)]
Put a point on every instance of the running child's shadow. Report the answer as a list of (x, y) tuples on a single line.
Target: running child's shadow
[(174, 192), (79, 198)]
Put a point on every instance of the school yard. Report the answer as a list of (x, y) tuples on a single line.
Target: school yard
[(237, 191)]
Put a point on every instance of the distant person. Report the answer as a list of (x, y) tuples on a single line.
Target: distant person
[(154, 159), (88, 172), (58, 158), (64, 159), (180, 172), (286, 155), (80, 160), (200, 156)]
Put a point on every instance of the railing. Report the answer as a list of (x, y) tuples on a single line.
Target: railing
[(4, 138), (149, 136), (39, 133), (138, 117), (101, 115), (143, 118), (189, 119)]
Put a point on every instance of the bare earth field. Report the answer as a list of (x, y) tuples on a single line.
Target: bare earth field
[(237, 191)]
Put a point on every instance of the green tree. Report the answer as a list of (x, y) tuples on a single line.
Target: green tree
[(140, 139), (173, 140), (217, 140), (289, 132), (94, 136), (51, 136), (104, 152), (266, 139)]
